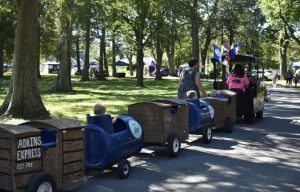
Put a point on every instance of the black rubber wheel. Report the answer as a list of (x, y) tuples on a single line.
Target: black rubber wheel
[(174, 145), (123, 169), (207, 135), (41, 182), (249, 118), (260, 114), (229, 125)]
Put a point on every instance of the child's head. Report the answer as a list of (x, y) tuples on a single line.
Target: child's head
[(99, 109), (191, 94)]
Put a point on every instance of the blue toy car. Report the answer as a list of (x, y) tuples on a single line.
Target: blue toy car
[(107, 144), (201, 115)]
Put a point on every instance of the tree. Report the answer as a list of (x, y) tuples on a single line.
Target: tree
[(7, 27), (138, 17), (208, 31), (87, 24), (23, 99), (283, 16), (63, 83)]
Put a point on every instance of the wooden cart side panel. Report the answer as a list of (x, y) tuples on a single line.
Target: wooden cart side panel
[(74, 134), (168, 128), (73, 155), (182, 119), (52, 160), (73, 145), (25, 167), (32, 166), (149, 117), (22, 180), (221, 110), (5, 182), (73, 167), (73, 176)]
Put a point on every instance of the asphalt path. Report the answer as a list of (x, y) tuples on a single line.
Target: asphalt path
[(264, 156)]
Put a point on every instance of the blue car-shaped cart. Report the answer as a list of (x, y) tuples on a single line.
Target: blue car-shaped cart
[(107, 144), (201, 114)]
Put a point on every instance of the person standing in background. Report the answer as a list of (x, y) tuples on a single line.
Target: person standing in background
[(190, 80), (274, 79)]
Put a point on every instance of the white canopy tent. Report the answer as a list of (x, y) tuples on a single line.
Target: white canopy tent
[(296, 64)]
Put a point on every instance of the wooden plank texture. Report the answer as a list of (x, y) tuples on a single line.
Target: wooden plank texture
[(72, 145), (71, 177), (5, 143), (5, 182), (71, 167), (73, 134), (73, 156)]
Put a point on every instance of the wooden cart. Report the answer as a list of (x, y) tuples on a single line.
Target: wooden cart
[(224, 109), (41, 155), (63, 149), (163, 124), (20, 157)]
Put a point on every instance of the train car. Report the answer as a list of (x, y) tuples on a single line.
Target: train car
[(44, 155), (201, 115), (164, 124), (107, 144), (169, 122), (225, 110)]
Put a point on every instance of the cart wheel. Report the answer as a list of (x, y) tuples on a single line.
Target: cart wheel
[(41, 182), (207, 135), (173, 145), (229, 125), (123, 169), (260, 114), (249, 118)]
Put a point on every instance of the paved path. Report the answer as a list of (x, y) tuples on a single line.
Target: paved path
[(264, 156)]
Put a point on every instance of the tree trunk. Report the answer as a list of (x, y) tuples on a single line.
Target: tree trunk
[(1, 57), (63, 83), (283, 46), (105, 63), (140, 63), (206, 46), (86, 68), (159, 55), (38, 52), (101, 58), (25, 100), (130, 56), (114, 69), (171, 56), (39, 44), (78, 55), (195, 30)]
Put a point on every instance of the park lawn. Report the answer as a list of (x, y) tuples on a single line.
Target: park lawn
[(115, 93)]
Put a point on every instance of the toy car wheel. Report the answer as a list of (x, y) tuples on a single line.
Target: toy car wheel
[(41, 182), (229, 125), (260, 114), (123, 169), (207, 135), (174, 145), (249, 118)]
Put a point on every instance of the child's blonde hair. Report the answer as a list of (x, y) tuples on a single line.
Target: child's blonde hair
[(99, 109), (192, 94)]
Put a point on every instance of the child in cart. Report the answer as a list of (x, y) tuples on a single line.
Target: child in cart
[(100, 109)]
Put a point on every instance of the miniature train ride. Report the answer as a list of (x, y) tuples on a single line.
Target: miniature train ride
[(44, 155)]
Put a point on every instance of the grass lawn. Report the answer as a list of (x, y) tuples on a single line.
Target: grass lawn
[(115, 93)]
